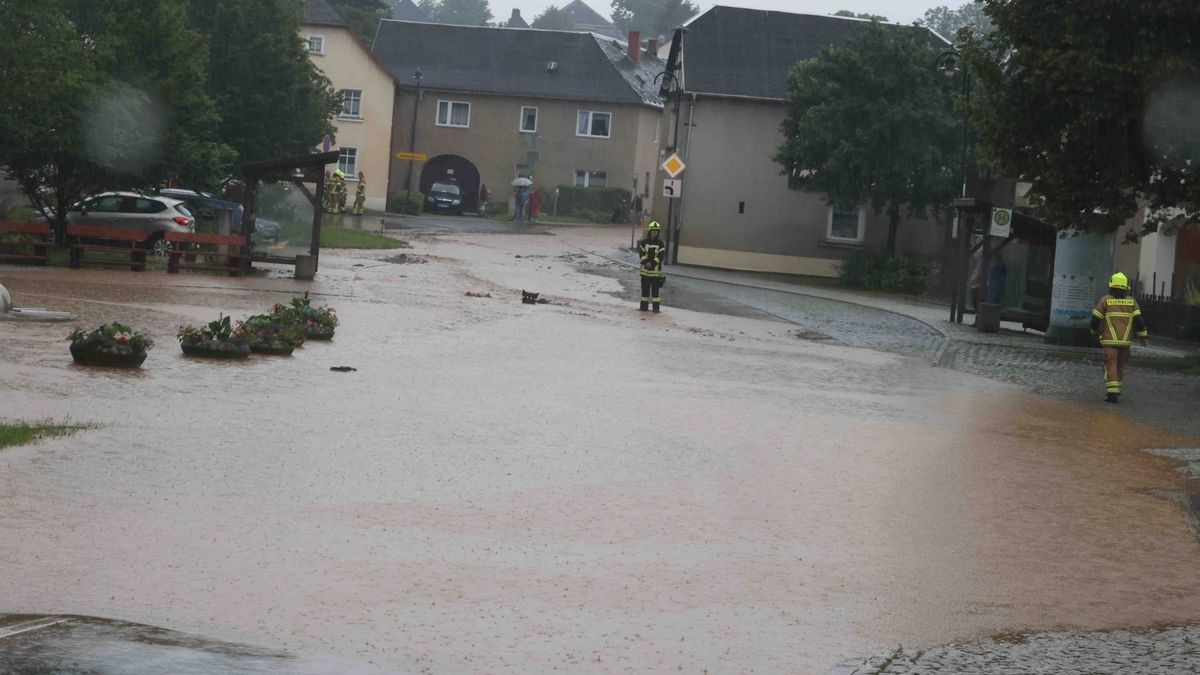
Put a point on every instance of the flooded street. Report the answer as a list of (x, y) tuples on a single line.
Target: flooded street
[(575, 486)]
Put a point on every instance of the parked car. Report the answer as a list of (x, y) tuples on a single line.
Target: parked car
[(444, 197), (206, 208), (152, 214)]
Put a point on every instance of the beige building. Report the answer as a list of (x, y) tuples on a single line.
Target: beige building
[(363, 128), (495, 104), (737, 210)]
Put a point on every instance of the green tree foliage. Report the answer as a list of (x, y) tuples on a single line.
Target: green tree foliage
[(458, 12), (272, 99), (1095, 104), (858, 15), (947, 22), (653, 18), (100, 95), (362, 15), (552, 18), (871, 122)]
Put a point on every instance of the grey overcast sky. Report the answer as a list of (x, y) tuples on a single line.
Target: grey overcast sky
[(899, 11)]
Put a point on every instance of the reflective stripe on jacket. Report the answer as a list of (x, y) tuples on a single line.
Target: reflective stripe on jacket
[(652, 251), (1117, 318)]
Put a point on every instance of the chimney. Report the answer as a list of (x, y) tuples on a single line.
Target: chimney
[(652, 48), (635, 45), (516, 15)]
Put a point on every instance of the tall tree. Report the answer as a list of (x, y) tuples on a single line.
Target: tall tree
[(552, 18), (458, 12), (272, 99), (870, 122), (362, 15), (103, 95), (947, 22), (860, 15), (1094, 104), (654, 18)]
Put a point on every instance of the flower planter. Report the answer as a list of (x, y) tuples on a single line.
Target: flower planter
[(216, 349), (319, 333), (109, 356), (273, 348)]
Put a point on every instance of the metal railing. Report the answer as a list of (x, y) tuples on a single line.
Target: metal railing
[(1170, 317)]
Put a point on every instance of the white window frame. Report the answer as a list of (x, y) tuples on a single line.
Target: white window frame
[(862, 227), (321, 37), (521, 122), (450, 114), (591, 115), (347, 116), (352, 174), (587, 178)]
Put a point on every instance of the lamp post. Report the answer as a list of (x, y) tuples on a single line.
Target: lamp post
[(667, 79), (952, 63), (412, 136)]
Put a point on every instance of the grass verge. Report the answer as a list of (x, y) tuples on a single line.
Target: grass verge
[(20, 433), (340, 237)]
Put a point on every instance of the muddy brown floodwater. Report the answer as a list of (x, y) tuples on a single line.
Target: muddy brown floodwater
[(576, 486)]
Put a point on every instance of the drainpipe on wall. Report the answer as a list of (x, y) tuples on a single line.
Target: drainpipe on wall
[(412, 137)]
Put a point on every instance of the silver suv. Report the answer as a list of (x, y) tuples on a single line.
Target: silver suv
[(154, 215)]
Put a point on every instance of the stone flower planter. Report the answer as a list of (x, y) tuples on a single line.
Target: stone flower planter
[(217, 349), (273, 348), (119, 356), (319, 333)]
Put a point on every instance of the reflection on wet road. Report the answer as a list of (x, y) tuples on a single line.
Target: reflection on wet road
[(513, 488)]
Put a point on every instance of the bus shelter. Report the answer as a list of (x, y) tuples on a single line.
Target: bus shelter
[(282, 207)]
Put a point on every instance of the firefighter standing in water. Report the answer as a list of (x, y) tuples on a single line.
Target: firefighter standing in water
[(337, 191), (1115, 319), (652, 251), (360, 195)]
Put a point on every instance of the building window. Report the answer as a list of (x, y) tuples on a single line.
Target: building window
[(528, 119), (594, 124), (348, 162), (596, 179), (454, 114), (316, 44), (846, 224), (351, 104)]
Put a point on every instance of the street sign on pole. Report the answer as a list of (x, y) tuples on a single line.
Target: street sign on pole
[(1001, 223), (671, 188), (673, 166), (412, 156)]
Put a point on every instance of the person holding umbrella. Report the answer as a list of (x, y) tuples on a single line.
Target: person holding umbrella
[(521, 200)]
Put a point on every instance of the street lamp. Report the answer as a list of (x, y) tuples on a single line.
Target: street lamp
[(951, 63)]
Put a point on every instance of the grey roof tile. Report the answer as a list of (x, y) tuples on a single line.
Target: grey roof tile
[(513, 62), (732, 51), (319, 13)]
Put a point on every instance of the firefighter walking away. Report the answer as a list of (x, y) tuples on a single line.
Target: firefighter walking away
[(1115, 319), (652, 252)]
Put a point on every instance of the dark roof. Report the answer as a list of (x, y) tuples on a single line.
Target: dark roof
[(584, 18), (729, 51), (513, 62), (319, 13), (407, 10)]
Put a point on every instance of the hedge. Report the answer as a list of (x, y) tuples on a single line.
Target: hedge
[(576, 201), (407, 203)]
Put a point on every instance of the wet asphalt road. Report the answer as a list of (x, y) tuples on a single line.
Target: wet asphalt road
[(573, 486)]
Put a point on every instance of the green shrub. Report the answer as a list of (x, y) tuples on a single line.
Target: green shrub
[(883, 271), (573, 201), (408, 203)]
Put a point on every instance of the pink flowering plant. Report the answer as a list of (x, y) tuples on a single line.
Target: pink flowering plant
[(269, 331), (315, 322), (215, 331), (114, 337)]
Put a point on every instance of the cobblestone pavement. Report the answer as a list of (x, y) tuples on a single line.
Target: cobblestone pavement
[(1169, 651)]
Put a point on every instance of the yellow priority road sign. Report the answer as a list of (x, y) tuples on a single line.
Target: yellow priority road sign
[(673, 165), (413, 156)]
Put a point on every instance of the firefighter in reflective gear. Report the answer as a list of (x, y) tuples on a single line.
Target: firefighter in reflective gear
[(652, 251), (1115, 319), (326, 194), (360, 195), (337, 191)]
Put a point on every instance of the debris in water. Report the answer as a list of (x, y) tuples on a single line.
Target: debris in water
[(529, 298), (473, 294), (343, 369)]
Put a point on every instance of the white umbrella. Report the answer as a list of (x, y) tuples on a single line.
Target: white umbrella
[(522, 182)]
